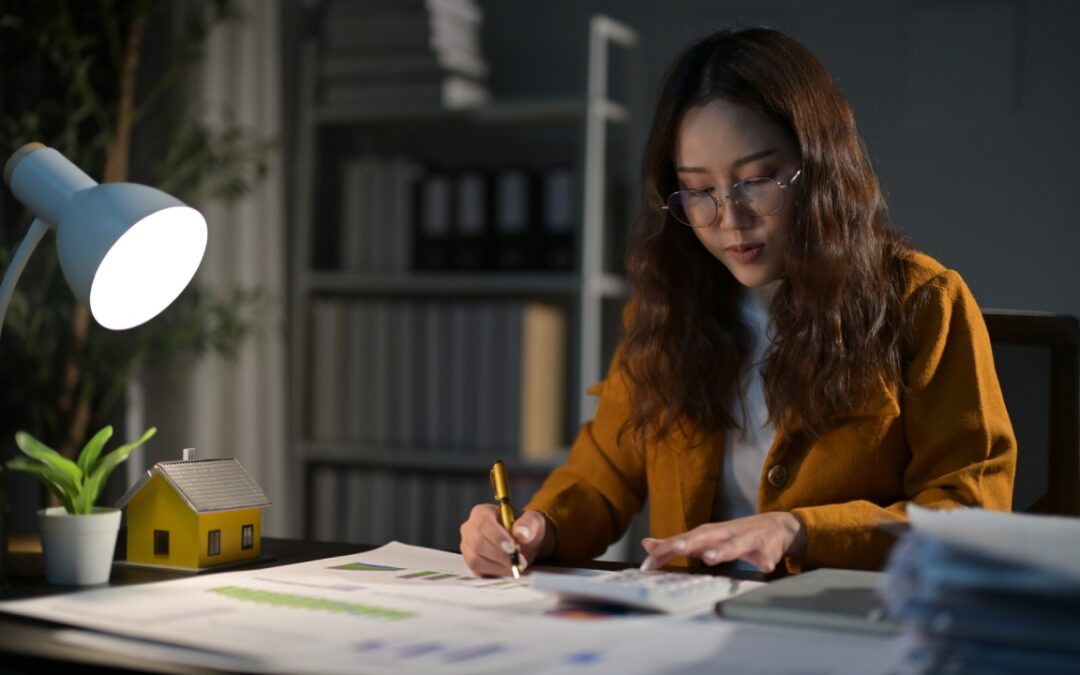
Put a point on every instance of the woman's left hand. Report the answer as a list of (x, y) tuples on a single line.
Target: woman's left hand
[(761, 540)]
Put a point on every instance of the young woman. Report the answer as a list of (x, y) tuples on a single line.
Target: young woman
[(792, 374)]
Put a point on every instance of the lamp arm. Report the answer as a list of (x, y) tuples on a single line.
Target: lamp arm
[(37, 230)]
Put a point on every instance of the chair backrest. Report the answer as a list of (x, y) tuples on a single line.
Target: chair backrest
[(1037, 357)]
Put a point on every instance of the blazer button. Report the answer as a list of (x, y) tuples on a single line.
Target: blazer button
[(777, 476)]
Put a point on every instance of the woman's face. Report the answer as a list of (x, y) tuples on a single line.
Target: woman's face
[(720, 144)]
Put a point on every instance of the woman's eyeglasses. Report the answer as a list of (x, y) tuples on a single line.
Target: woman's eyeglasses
[(761, 196)]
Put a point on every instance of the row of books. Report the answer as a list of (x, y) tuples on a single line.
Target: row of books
[(397, 216), (377, 213), (512, 218), (369, 505), (399, 53), (459, 376)]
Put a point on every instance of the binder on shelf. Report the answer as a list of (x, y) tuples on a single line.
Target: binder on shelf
[(513, 220), (327, 414), (327, 501), (433, 233), (383, 496), (443, 513), (413, 501), (543, 369), (558, 217), (354, 223), (444, 436), (462, 364), (376, 215), (358, 506), (382, 374), (357, 372), (485, 377), (391, 371), (498, 437), (514, 332), (377, 203), (401, 193), (404, 406), (470, 249), (429, 375)]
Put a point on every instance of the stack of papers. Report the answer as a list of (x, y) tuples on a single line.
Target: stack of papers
[(988, 592)]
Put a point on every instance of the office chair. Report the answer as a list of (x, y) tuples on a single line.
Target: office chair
[(1037, 357)]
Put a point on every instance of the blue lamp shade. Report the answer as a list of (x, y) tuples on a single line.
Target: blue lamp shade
[(126, 250)]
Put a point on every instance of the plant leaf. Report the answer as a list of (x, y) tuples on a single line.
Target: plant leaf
[(92, 449), (103, 468), (83, 503), (45, 475), (58, 469)]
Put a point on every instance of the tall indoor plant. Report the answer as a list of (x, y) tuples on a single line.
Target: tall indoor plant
[(101, 81)]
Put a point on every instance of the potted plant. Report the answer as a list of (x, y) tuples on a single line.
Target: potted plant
[(77, 538)]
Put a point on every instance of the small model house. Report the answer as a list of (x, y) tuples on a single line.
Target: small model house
[(194, 514)]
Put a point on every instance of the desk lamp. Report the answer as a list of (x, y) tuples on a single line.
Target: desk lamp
[(126, 250)]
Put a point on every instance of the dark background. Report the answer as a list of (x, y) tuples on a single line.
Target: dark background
[(968, 109)]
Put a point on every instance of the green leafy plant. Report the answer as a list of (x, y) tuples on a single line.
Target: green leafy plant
[(76, 484)]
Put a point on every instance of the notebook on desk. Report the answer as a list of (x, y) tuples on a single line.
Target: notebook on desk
[(824, 598)]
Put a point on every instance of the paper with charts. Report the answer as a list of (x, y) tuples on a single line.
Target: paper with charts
[(405, 609), (395, 609)]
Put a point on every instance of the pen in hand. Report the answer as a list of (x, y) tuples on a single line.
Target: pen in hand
[(501, 483)]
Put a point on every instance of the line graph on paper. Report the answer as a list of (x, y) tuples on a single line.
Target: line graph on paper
[(423, 576)]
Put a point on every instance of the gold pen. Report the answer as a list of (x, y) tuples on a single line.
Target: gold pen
[(501, 483)]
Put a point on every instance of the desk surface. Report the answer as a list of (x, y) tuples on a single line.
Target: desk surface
[(31, 646)]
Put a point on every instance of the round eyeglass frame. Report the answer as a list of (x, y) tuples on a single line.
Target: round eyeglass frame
[(719, 201)]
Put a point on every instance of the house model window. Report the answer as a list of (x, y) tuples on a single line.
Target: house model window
[(247, 537), (213, 546), (161, 542)]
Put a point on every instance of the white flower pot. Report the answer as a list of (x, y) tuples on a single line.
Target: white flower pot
[(78, 549)]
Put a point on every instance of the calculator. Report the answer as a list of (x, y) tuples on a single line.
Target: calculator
[(656, 590)]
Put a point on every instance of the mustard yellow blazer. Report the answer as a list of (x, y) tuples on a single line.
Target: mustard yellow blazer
[(945, 441)]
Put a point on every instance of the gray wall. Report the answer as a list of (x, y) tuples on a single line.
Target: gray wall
[(967, 107)]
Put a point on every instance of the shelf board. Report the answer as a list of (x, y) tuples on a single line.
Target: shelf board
[(611, 286), (450, 283), (431, 461), (541, 111), (463, 283)]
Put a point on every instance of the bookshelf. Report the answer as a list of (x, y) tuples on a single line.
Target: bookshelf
[(406, 383)]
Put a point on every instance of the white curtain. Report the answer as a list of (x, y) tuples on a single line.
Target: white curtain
[(237, 408)]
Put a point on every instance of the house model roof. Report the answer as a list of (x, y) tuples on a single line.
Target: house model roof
[(206, 485)]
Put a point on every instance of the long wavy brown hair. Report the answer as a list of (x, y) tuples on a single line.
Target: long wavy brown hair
[(836, 316)]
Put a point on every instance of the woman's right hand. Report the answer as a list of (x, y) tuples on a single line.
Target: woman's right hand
[(487, 545)]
